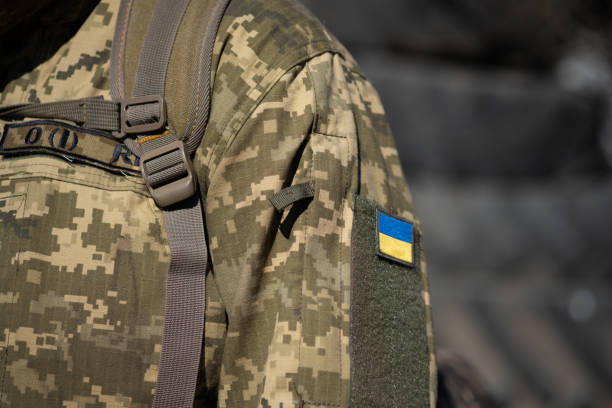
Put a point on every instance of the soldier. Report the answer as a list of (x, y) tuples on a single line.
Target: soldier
[(317, 291)]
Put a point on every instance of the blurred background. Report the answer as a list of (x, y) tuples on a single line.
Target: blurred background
[(501, 114)]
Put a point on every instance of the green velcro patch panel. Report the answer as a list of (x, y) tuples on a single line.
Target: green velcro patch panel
[(388, 338), (70, 142)]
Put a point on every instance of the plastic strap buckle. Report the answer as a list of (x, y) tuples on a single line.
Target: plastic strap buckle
[(168, 174), (159, 116)]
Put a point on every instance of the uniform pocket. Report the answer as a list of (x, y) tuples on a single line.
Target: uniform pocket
[(390, 357), (82, 278)]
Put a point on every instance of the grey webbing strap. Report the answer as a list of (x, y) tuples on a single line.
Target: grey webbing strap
[(128, 116), (185, 305), (153, 62), (166, 165), (92, 113), (290, 195)]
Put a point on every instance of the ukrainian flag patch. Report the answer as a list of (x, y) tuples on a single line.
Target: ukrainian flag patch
[(395, 238)]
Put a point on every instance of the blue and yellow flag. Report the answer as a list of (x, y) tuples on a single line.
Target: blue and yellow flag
[(395, 238)]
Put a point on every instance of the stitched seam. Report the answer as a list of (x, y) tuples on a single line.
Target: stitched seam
[(306, 247), (152, 137), (109, 186), (53, 176), (328, 135), (51, 151), (315, 123), (121, 49), (148, 138), (347, 267), (57, 167), (305, 57), (340, 306), (344, 182), (314, 156), (198, 80), (4, 368), (199, 76)]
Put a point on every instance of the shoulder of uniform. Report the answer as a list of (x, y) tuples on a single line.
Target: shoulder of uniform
[(258, 43), (272, 35)]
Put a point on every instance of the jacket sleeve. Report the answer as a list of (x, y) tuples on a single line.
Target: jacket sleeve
[(282, 280)]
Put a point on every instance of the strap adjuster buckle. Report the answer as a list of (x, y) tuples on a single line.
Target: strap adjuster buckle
[(168, 174), (158, 115)]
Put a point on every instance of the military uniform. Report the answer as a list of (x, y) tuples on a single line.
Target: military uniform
[(301, 311)]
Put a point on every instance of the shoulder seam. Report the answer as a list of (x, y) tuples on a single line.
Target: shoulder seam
[(315, 122), (302, 55)]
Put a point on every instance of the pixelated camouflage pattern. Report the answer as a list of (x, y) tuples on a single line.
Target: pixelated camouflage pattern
[(289, 106), (78, 69), (83, 257), (287, 295), (82, 264)]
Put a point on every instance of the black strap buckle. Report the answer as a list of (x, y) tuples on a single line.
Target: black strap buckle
[(168, 174), (140, 111)]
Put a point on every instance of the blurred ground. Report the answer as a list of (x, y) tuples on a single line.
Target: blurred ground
[(501, 113)]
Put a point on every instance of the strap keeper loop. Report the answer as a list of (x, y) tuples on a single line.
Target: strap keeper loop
[(159, 171), (155, 121)]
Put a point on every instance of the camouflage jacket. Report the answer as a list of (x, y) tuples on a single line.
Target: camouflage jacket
[(301, 311)]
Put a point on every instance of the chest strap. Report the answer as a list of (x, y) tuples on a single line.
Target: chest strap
[(131, 116)]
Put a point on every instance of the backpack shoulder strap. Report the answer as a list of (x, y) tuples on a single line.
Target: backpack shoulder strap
[(166, 167)]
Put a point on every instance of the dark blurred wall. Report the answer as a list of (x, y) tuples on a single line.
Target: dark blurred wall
[(501, 113)]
